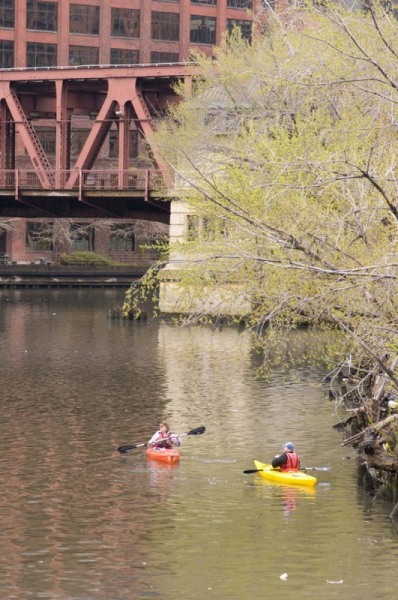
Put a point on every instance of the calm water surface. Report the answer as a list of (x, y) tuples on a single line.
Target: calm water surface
[(80, 522)]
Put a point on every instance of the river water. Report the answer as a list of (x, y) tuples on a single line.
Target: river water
[(78, 521)]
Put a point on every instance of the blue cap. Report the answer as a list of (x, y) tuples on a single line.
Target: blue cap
[(289, 446)]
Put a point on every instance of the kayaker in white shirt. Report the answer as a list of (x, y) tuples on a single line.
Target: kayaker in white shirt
[(163, 438)]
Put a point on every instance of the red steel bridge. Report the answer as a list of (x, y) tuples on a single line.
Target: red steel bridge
[(41, 179)]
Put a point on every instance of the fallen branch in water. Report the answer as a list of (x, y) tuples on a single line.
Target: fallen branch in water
[(375, 428)]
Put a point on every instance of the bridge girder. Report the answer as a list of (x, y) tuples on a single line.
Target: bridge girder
[(122, 98)]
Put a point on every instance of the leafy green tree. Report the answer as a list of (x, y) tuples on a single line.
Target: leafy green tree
[(285, 152)]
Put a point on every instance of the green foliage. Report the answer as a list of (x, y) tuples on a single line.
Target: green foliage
[(140, 293), (86, 258), (286, 153)]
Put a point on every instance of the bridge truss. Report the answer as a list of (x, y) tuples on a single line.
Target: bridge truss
[(54, 178)]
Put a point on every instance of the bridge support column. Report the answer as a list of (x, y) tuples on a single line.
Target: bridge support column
[(62, 134), (7, 141), (124, 142), (226, 300), (15, 240)]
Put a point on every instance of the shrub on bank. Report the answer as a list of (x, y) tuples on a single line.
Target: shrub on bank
[(86, 258)]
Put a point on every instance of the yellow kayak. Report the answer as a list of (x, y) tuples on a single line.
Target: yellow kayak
[(286, 477)]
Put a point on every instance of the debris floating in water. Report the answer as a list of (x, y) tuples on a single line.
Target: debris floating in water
[(283, 576)]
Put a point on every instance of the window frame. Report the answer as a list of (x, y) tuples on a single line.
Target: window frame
[(82, 232), (33, 15), (7, 14), (213, 31), (135, 61), (240, 23), (7, 50), (120, 243), (204, 2), (79, 13), (136, 22), (159, 26), (167, 55), (240, 4), (83, 48), (33, 243), (35, 45)]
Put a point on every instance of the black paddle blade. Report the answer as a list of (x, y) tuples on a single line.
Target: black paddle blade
[(253, 470), (197, 430), (124, 449)]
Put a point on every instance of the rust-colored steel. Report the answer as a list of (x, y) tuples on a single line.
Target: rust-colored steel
[(120, 99)]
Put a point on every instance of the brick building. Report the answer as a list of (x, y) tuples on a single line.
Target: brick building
[(37, 33), (59, 33)]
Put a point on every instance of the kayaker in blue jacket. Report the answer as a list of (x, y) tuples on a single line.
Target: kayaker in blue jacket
[(288, 460), (163, 438)]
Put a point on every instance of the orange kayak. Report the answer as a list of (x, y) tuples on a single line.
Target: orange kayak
[(163, 455)]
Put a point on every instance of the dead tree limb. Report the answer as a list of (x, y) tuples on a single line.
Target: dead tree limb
[(376, 427)]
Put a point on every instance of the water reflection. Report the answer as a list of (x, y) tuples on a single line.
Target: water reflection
[(288, 497), (79, 521), (161, 476)]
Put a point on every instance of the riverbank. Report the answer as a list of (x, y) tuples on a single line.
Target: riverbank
[(49, 275), (372, 430)]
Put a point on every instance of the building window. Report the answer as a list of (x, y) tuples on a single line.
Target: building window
[(125, 23), (39, 236), (166, 26), (212, 2), (212, 229), (240, 4), (84, 19), (6, 55), (133, 151), (244, 26), (192, 228), (82, 237), (114, 144), (165, 57), (77, 140), (124, 57), (41, 16), (83, 55), (41, 55), (203, 30), (46, 137), (7, 13), (122, 238)]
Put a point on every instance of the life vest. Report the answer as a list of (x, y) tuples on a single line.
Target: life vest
[(163, 441), (292, 463)]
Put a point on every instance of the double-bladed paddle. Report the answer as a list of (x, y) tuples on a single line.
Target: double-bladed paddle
[(300, 469), (196, 431)]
